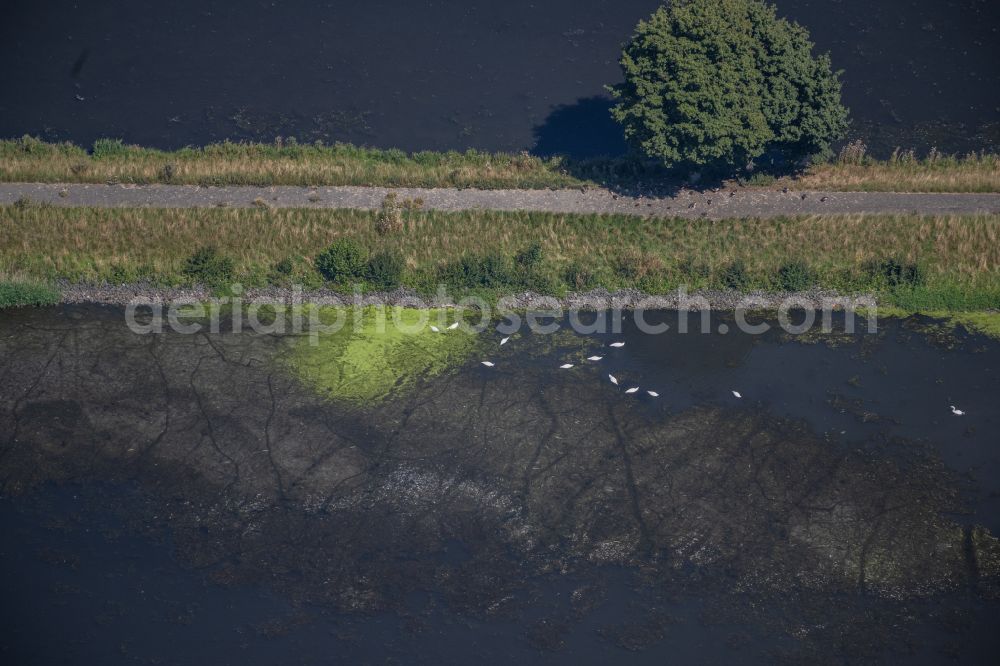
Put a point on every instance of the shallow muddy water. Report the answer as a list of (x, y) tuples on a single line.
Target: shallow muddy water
[(172, 495), (439, 75)]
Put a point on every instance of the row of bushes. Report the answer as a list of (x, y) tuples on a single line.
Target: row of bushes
[(347, 262), (798, 276), (344, 262)]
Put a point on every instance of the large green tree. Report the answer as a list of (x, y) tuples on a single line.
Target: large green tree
[(719, 82)]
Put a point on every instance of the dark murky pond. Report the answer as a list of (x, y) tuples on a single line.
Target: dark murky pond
[(186, 499), (436, 75)]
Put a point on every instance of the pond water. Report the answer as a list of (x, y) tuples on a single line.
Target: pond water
[(516, 75), (171, 498)]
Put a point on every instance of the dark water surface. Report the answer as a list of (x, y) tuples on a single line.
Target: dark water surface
[(184, 499), (439, 75)]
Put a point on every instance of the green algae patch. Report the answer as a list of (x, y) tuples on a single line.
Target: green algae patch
[(379, 351), (986, 323), (981, 322)]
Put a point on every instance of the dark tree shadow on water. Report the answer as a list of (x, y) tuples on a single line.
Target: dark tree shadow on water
[(582, 130)]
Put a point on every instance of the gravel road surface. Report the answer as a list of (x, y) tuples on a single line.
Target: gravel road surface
[(688, 204)]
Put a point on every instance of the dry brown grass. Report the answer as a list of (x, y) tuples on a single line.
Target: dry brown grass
[(904, 173), (389, 218), (29, 160)]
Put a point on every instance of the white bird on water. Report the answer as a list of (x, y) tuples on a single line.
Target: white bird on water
[(565, 366), (488, 364), (453, 326), (737, 394), (435, 329), (632, 390), (653, 394), (956, 411), (504, 341), (614, 380), (594, 358), (617, 344)]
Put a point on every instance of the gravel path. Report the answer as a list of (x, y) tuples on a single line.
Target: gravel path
[(689, 204)]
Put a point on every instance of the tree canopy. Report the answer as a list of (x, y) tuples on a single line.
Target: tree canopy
[(721, 82)]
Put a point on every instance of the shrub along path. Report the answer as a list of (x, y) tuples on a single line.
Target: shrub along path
[(691, 204)]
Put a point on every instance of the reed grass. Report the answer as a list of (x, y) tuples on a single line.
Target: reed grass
[(284, 163), (291, 163), (957, 257), (904, 171)]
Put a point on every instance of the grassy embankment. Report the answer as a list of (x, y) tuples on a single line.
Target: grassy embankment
[(917, 263), (289, 163)]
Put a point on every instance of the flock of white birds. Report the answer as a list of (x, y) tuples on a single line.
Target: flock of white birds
[(593, 359), (614, 380)]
